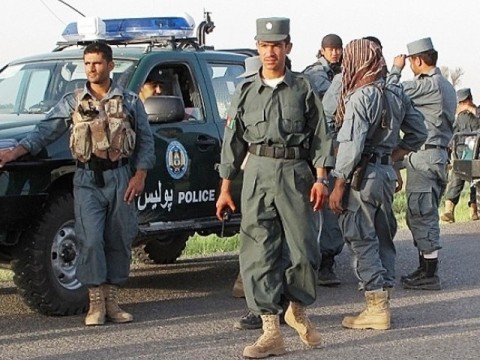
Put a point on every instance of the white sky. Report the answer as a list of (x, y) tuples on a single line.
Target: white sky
[(33, 26)]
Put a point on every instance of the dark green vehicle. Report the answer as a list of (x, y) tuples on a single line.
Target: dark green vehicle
[(466, 158), (37, 237)]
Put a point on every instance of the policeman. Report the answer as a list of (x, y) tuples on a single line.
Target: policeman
[(371, 115), (435, 98), (329, 58), (113, 145), (151, 87), (466, 121), (279, 120)]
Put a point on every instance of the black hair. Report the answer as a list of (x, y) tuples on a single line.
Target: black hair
[(428, 57), (99, 47)]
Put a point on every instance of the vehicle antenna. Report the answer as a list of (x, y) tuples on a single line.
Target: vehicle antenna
[(71, 7)]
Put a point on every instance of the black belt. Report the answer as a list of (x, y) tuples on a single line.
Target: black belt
[(276, 152), (97, 164), (428, 147), (384, 159)]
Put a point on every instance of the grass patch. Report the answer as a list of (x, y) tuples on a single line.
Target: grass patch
[(204, 245)]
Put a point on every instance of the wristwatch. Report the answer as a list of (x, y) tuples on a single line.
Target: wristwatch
[(323, 180)]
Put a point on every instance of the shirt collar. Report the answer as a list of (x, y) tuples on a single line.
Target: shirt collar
[(259, 85)]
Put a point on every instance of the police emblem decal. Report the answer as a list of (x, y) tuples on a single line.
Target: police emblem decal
[(269, 26), (176, 160)]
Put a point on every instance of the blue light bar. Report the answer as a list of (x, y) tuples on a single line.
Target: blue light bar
[(138, 28)]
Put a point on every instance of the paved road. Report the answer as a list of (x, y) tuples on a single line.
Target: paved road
[(184, 311)]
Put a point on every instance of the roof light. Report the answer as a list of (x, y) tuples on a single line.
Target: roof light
[(130, 28)]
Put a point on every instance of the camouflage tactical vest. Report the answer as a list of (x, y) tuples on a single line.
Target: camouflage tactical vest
[(102, 129)]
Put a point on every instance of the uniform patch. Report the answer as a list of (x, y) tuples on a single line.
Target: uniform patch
[(176, 159)]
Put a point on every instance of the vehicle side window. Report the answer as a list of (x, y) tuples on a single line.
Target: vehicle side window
[(225, 78), (177, 80)]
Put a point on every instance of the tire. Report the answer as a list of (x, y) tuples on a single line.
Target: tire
[(46, 263), (162, 251)]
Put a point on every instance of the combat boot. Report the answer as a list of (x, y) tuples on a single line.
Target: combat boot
[(326, 275), (473, 212), (376, 316), (250, 321), (114, 312), (237, 290), (296, 317), (96, 307), (269, 343), (427, 279), (417, 271), (449, 214)]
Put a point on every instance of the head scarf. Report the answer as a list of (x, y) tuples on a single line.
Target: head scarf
[(362, 64)]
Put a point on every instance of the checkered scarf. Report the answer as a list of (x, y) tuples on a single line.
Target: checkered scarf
[(362, 64)]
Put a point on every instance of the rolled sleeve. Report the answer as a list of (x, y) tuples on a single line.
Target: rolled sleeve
[(55, 124), (144, 154)]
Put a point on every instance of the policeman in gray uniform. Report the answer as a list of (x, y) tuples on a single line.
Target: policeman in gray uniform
[(113, 144), (329, 58), (321, 74), (435, 98), (466, 121), (369, 143), (279, 121)]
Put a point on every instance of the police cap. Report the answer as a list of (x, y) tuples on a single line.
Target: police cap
[(272, 29), (463, 94), (420, 46)]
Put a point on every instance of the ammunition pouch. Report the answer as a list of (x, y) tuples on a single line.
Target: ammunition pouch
[(359, 172)]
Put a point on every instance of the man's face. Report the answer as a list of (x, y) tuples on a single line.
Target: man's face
[(333, 55), (272, 54), (97, 68), (151, 88)]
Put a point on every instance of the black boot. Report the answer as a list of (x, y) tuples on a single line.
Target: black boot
[(250, 321), (416, 272), (326, 275), (427, 279)]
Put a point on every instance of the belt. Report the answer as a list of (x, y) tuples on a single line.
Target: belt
[(97, 164), (384, 159), (428, 147), (276, 152)]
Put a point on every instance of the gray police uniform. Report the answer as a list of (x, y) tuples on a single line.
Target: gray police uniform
[(465, 122), (331, 239), (285, 127), (369, 224), (105, 224), (320, 75), (435, 98)]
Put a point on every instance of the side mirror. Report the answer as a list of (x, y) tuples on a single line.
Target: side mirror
[(164, 109)]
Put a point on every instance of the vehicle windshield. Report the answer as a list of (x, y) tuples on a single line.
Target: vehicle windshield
[(34, 88)]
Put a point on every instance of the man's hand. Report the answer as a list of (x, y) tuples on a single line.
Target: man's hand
[(224, 202), (399, 181), (318, 195), (9, 155), (135, 185), (399, 61), (336, 197)]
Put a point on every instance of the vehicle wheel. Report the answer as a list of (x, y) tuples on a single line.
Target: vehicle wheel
[(46, 263), (165, 251)]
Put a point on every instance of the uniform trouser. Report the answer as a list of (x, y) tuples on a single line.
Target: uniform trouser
[(426, 181), (369, 226), (455, 187), (105, 226), (331, 239), (276, 209)]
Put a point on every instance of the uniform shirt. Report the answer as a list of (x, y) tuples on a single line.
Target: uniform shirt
[(330, 100), (466, 122), (59, 118), (362, 109), (436, 99), (320, 75), (288, 115)]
